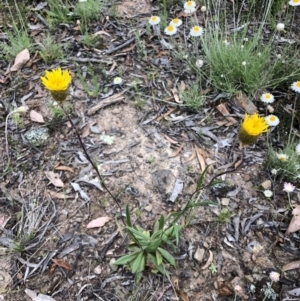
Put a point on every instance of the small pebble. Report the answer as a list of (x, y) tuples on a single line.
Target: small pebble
[(149, 208), (225, 201), (266, 184)]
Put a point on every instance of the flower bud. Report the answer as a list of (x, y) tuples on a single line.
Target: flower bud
[(280, 27)]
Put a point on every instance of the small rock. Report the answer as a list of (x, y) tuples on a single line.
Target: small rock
[(149, 208), (199, 254), (266, 184), (37, 137), (112, 266), (98, 270), (225, 201)]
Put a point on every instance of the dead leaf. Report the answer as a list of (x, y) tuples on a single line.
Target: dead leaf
[(223, 110), (209, 260), (295, 222), (66, 168), (242, 101), (21, 59), (86, 131), (200, 158), (62, 263), (36, 117), (176, 96), (177, 151), (98, 222), (59, 195), (291, 266), (54, 178), (192, 156), (183, 296), (101, 32), (170, 139)]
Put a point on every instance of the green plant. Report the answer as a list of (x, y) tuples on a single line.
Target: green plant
[(88, 10), (284, 163), (149, 247), (140, 47), (58, 12), (193, 97), (213, 268), (91, 87), (49, 50), (224, 216), (90, 41), (18, 40)]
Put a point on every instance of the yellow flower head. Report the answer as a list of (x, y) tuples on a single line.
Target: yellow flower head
[(57, 81), (252, 127)]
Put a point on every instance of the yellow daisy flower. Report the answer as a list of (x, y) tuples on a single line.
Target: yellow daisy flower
[(57, 81), (252, 127)]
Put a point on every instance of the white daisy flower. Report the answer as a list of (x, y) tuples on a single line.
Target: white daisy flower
[(268, 193), (189, 10), (288, 187), (270, 109), (274, 276), (280, 26), (296, 85), (199, 63), (244, 63), (274, 172), (170, 30), (282, 157), (226, 42), (176, 22), (196, 31), (189, 4), (294, 2), (154, 20), (118, 81), (272, 120), (267, 98), (298, 148)]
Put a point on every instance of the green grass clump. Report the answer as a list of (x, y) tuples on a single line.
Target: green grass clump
[(17, 41), (49, 50), (288, 169)]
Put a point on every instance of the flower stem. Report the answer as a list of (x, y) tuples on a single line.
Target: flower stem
[(292, 121), (91, 161)]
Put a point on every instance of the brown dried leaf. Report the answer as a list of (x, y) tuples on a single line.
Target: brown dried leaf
[(200, 158), (295, 222), (177, 151), (291, 266), (192, 156), (176, 96), (98, 222), (223, 110), (36, 117), (62, 263), (59, 195), (54, 178), (209, 260), (86, 131), (21, 59), (66, 168), (170, 139)]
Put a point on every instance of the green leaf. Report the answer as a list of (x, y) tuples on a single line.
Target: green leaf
[(138, 264), (160, 268), (153, 245), (200, 180), (125, 260), (137, 233), (167, 256), (158, 257), (128, 219), (161, 222)]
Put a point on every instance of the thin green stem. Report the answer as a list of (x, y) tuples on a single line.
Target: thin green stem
[(91, 161), (293, 117)]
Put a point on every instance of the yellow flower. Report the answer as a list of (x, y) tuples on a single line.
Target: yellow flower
[(252, 127), (57, 81)]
